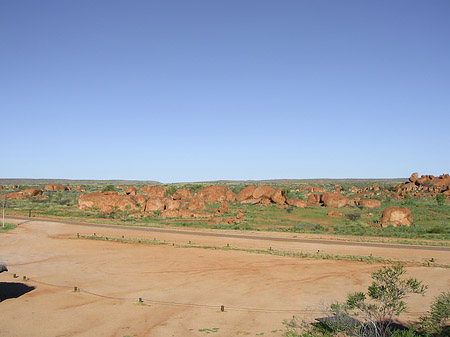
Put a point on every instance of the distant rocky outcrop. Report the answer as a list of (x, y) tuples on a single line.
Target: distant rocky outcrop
[(56, 187), (425, 183), (25, 194)]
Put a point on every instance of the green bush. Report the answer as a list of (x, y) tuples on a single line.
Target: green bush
[(109, 188), (440, 199), (171, 190), (285, 192), (436, 322), (383, 302)]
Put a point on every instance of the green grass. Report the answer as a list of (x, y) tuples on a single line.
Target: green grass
[(209, 330), (303, 255), (8, 227), (431, 221)]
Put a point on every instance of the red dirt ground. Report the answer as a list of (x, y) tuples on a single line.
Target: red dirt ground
[(258, 291)]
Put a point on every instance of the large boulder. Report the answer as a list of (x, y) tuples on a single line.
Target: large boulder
[(140, 200), (278, 197), (296, 202), (224, 208), (105, 201), (131, 190), (314, 198), (212, 194), (154, 205), (265, 201), (263, 191), (251, 201), (55, 187), (414, 177), (196, 204), (442, 180), (246, 193), (182, 194), (25, 194), (170, 204), (396, 216), (15, 195), (369, 203), (32, 192), (154, 191), (335, 200), (230, 195)]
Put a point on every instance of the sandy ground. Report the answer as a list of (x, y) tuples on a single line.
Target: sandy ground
[(258, 291)]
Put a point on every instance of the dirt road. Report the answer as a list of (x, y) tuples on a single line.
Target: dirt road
[(225, 234)]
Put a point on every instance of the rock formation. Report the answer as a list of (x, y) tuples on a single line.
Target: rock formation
[(396, 216)]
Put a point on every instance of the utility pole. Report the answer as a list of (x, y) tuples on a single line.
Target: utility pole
[(4, 205)]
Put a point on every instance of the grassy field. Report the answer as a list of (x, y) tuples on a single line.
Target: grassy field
[(7, 227), (431, 221)]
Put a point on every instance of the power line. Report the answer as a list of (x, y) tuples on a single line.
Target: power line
[(186, 304)]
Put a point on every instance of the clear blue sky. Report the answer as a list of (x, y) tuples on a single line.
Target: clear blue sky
[(232, 89)]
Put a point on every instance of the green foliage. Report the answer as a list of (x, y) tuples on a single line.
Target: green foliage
[(285, 192), (171, 190), (109, 188), (8, 227), (294, 328), (440, 199), (194, 187), (383, 301), (404, 333), (408, 200), (436, 322)]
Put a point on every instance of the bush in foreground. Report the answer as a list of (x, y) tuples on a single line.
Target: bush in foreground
[(371, 314)]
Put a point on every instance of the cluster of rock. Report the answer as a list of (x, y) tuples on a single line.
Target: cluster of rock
[(337, 200), (266, 195), (183, 203), (25, 194), (56, 187), (155, 201), (426, 183)]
